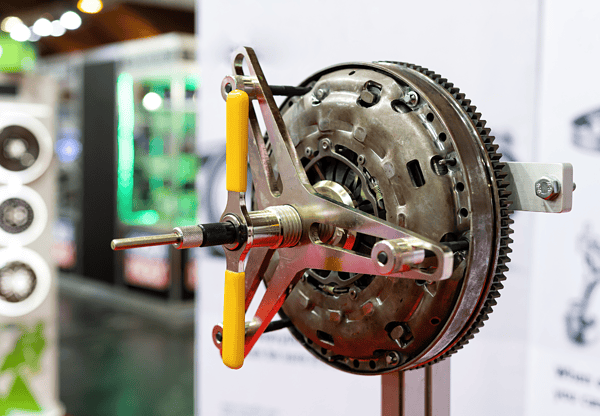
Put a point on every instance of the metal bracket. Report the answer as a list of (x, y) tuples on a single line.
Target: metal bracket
[(540, 187)]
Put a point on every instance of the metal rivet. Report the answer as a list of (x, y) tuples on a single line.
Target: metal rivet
[(359, 134), (308, 151), (389, 169)]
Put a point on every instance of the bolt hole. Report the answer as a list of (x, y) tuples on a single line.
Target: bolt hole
[(323, 351), (460, 186), (228, 88), (372, 364), (430, 117), (309, 341), (355, 363), (435, 320), (291, 103), (219, 337), (352, 73), (400, 107), (464, 212), (415, 173), (442, 137)]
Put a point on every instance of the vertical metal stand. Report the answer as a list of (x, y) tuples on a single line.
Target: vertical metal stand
[(422, 392)]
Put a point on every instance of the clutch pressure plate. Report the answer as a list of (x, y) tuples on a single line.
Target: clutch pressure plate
[(401, 143)]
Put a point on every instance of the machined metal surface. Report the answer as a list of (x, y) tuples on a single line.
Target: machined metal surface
[(424, 167), (541, 187)]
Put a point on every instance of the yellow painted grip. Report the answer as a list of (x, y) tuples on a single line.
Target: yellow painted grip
[(237, 141), (234, 325)]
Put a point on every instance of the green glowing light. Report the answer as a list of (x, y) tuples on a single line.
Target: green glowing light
[(125, 156)]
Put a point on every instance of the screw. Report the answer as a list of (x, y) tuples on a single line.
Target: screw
[(392, 358), (308, 151), (320, 94), (361, 159), (411, 98), (325, 144), (353, 293), (547, 188)]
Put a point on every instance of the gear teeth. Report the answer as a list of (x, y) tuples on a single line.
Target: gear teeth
[(500, 174)]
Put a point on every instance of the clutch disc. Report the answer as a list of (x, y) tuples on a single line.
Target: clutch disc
[(399, 142)]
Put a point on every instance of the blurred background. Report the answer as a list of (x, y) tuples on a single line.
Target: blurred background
[(112, 125)]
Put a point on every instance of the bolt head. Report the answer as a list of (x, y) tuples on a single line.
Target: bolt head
[(320, 94), (325, 144), (367, 96), (361, 159), (412, 98), (308, 151), (353, 293), (392, 358), (547, 188)]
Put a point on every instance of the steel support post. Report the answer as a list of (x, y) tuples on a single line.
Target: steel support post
[(422, 392)]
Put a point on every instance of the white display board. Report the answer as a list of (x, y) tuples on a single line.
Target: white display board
[(489, 51), (564, 370)]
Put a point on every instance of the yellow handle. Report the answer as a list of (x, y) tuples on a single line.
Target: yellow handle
[(234, 325), (237, 141)]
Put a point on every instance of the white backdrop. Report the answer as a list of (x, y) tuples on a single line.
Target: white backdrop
[(564, 372), (489, 50)]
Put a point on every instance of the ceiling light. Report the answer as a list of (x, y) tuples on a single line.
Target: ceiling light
[(9, 23), (70, 20), (152, 101), (33, 37), (57, 29), (89, 6), (42, 27), (20, 33)]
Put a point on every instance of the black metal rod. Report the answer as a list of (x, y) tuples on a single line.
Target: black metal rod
[(219, 233), (275, 325), (288, 90), (452, 245)]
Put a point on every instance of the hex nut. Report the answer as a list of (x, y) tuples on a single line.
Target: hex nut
[(547, 188)]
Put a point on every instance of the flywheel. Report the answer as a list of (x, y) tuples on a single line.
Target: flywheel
[(399, 142)]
